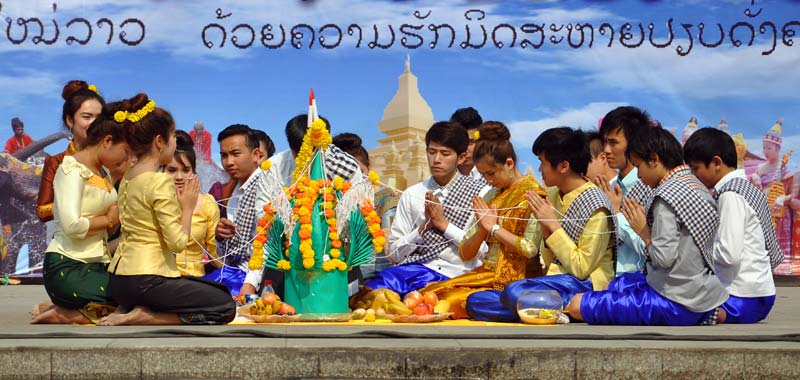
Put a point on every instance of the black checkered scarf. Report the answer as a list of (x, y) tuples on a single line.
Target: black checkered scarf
[(587, 203), (641, 193), (339, 163), (239, 248), (684, 193), (457, 208), (758, 201)]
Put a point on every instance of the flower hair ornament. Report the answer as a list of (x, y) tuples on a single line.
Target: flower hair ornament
[(121, 116), (93, 88), (476, 135)]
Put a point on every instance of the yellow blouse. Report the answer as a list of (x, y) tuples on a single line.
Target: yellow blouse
[(80, 195), (151, 227), (204, 226), (514, 216), (592, 255)]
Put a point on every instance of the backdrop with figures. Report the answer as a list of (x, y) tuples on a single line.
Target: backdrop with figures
[(387, 69)]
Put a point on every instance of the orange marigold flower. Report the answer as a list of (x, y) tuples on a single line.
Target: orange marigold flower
[(373, 228), (329, 213), (305, 235), (305, 220), (336, 244)]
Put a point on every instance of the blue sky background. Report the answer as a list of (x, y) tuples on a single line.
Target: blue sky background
[(530, 90)]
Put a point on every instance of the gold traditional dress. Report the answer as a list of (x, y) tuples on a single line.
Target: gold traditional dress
[(204, 225), (501, 265)]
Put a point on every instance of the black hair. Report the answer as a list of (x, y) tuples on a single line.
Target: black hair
[(564, 144), (296, 129), (595, 142), (140, 133), (449, 134), (263, 137), (74, 93), (468, 117), (239, 129), (184, 146), (630, 120), (705, 143), (495, 143), (350, 143), (652, 142)]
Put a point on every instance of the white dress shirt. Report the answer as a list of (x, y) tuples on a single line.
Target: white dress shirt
[(405, 238), (740, 257), (284, 164)]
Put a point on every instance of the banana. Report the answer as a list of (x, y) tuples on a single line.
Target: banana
[(392, 296), (379, 301), (398, 308)]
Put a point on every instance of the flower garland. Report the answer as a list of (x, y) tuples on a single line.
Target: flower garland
[(374, 226), (133, 117), (328, 199), (316, 137), (306, 195), (264, 224)]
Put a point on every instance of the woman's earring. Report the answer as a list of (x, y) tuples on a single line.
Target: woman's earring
[(70, 136)]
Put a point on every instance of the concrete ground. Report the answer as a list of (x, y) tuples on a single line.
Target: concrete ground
[(768, 350)]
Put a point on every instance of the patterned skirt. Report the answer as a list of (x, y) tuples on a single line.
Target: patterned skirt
[(76, 285)]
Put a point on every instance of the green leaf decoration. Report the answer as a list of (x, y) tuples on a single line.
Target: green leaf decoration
[(361, 248), (273, 250)]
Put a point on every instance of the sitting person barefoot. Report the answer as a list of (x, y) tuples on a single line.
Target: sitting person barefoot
[(145, 280), (679, 287), (85, 210)]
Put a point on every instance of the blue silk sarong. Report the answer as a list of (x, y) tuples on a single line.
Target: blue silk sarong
[(405, 278), (747, 309), (494, 306), (231, 277), (631, 301)]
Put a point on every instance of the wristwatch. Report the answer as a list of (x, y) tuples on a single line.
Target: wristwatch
[(494, 229)]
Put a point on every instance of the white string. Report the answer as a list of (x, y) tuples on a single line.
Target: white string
[(480, 213)]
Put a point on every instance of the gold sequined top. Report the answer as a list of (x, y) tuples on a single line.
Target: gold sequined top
[(509, 265)]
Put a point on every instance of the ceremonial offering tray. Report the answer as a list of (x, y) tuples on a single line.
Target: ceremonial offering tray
[(539, 307), (274, 318), (401, 318), (325, 317)]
